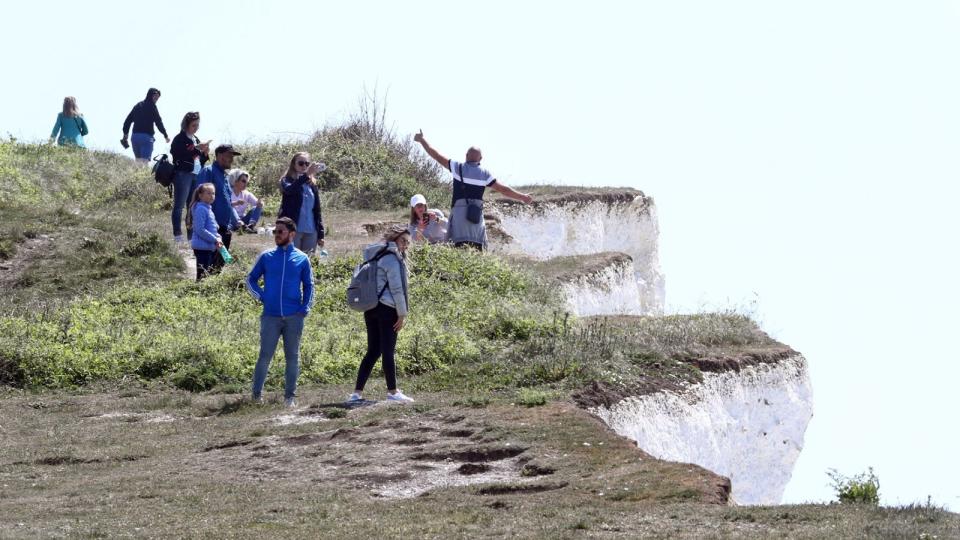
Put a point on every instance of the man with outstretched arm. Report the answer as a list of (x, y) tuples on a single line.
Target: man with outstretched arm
[(466, 226), (285, 271)]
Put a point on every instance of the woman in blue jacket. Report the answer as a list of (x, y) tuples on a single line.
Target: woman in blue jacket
[(301, 201), (70, 126), (206, 240)]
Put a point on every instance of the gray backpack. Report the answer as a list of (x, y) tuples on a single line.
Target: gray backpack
[(362, 294)]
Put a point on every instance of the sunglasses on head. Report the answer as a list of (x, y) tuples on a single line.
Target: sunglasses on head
[(303, 163)]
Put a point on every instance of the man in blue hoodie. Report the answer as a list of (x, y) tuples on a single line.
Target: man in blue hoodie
[(227, 218), (284, 270)]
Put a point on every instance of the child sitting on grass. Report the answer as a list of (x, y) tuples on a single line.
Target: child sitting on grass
[(247, 206), (205, 240)]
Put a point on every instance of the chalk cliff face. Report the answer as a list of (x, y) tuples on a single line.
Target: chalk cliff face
[(747, 425), (746, 420), (582, 224), (611, 289)]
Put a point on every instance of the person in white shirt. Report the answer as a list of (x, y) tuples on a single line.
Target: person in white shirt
[(248, 207)]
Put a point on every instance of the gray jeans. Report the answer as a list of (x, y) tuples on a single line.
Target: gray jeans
[(305, 242)]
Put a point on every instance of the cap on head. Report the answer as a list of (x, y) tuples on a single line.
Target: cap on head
[(417, 199), (474, 154), (224, 148)]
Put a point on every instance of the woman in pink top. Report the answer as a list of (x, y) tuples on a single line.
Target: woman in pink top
[(247, 206)]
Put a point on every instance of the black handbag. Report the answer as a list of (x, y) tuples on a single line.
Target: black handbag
[(474, 206), (163, 170)]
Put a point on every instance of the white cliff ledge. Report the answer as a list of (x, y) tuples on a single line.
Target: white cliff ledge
[(745, 422), (584, 222)]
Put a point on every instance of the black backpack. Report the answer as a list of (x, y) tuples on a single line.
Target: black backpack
[(163, 170)]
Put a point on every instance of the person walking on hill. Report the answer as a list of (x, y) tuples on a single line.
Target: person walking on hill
[(287, 296), (206, 240), (466, 227), (70, 127), (227, 219), (248, 207), (189, 156), (143, 116), (301, 201), (426, 224), (386, 320)]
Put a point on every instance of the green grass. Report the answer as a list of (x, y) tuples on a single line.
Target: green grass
[(369, 168)]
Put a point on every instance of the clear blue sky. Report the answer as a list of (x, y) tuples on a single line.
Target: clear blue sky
[(803, 155)]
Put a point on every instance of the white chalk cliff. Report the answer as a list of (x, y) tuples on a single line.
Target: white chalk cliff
[(745, 422), (746, 425), (613, 289), (623, 222)]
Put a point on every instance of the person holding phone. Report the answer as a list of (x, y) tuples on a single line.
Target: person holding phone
[(426, 224), (301, 201), (189, 157), (466, 226)]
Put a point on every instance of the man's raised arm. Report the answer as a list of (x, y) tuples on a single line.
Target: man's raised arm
[(440, 158), (510, 192)]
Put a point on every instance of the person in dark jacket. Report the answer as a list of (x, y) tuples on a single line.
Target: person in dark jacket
[(189, 156), (287, 296), (143, 116), (227, 218), (301, 201)]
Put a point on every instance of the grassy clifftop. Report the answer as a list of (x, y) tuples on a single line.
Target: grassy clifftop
[(122, 384)]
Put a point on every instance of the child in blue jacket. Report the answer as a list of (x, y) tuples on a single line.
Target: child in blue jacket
[(205, 240)]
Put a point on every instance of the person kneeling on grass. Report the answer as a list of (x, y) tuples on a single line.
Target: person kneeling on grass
[(285, 270), (386, 320), (247, 206), (205, 240)]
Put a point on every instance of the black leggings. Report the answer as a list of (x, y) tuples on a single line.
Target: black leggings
[(475, 245), (204, 262), (381, 340)]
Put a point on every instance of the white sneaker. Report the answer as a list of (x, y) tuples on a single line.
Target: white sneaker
[(354, 398), (257, 399), (399, 397), (178, 239), (289, 403)]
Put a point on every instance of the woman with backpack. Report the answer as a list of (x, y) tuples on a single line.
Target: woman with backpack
[(301, 201), (384, 321), (189, 156), (70, 127)]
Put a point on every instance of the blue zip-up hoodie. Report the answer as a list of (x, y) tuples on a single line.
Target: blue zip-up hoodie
[(284, 270), (226, 215), (205, 234)]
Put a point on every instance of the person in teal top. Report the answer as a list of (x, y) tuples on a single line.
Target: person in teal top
[(70, 125)]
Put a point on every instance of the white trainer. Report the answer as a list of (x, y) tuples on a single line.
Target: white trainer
[(178, 239), (354, 398), (289, 403), (399, 397)]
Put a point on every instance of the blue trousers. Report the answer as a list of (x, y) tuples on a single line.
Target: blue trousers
[(142, 144), (184, 184), (271, 329), (252, 216)]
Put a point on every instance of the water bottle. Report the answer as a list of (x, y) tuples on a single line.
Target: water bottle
[(227, 258)]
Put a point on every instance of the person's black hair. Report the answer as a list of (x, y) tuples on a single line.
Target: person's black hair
[(288, 223), (151, 92)]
